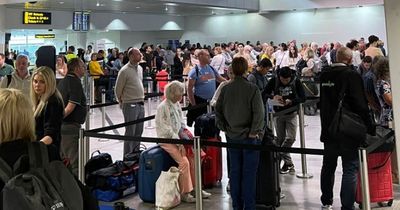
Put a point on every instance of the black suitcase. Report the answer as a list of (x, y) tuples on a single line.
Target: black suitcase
[(268, 189), (46, 56), (205, 126)]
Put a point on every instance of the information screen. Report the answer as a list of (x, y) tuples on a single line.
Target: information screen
[(43, 18), (85, 21), (81, 21), (77, 21)]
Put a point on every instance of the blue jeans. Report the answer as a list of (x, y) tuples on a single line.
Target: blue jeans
[(243, 172), (350, 167)]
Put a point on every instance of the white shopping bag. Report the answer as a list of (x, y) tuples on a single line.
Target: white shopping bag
[(167, 189)]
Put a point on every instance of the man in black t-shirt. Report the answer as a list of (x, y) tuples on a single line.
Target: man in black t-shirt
[(75, 111)]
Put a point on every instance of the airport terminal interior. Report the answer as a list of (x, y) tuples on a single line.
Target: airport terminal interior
[(106, 25)]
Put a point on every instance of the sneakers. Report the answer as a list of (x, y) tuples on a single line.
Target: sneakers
[(188, 198), (326, 207), (286, 168), (204, 194)]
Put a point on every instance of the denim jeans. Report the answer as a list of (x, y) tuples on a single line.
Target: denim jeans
[(243, 171), (350, 167)]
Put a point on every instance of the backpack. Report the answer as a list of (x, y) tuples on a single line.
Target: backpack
[(300, 65), (45, 186)]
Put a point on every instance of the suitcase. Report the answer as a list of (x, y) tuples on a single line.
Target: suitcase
[(205, 126), (380, 179), (268, 189), (46, 56), (212, 165), (152, 161)]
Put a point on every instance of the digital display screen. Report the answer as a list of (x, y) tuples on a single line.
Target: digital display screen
[(81, 21), (43, 18), (85, 21), (77, 21)]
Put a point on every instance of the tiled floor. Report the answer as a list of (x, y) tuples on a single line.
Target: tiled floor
[(301, 194)]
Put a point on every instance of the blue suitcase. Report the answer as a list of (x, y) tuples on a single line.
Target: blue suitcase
[(152, 161)]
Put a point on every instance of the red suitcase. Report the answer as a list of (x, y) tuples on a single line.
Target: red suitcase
[(212, 165), (380, 179)]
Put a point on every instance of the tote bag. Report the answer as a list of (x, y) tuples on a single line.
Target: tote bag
[(167, 189)]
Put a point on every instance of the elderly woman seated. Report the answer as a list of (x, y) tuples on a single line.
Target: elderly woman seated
[(168, 125)]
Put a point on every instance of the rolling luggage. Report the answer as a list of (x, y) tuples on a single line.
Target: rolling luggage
[(268, 189), (212, 165), (152, 161), (380, 179)]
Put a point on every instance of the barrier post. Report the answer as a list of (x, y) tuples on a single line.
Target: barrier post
[(362, 154), (92, 92), (158, 91), (209, 108), (86, 141), (184, 96), (304, 174), (103, 111), (103, 108), (197, 169), (81, 168), (149, 90)]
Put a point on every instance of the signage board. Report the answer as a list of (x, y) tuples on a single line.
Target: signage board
[(34, 18)]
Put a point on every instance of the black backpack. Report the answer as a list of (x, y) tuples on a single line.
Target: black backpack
[(45, 186), (300, 65)]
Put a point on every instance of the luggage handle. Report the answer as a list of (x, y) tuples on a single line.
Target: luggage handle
[(93, 153)]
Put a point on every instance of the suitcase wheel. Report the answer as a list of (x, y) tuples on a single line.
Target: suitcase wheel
[(380, 204), (360, 205), (390, 202)]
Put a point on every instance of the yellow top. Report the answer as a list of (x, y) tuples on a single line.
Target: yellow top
[(95, 69)]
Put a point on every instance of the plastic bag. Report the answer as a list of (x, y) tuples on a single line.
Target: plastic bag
[(167, 189)]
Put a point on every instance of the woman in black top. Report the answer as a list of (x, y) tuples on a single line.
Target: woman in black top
[(48, 106)]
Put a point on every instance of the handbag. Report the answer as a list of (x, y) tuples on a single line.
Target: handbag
[(96, 162), (167, 189), (382, 134), (347, 125)]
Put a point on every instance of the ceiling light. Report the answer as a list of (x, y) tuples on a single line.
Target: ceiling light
[(166, 8), (61, 2), (118, 0), (102, 5), (137, 7), (171, 4), (97, 4)]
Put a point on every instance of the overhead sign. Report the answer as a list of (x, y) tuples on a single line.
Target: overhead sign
[(43, 18), (45, 36), (81, 21)]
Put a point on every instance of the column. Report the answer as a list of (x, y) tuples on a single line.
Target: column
[(392, 16), (2, 27), (81, 40)]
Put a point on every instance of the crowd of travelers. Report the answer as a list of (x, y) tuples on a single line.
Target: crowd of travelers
[(238, 79)]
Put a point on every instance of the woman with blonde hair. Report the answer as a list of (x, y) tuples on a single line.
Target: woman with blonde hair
[(169, 123), (16, 117), (48, 106)]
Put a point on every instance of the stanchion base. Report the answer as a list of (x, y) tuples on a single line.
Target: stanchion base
[(103, 140), (304, 176)]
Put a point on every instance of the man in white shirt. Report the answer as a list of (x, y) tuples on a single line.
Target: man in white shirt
[(20, 79)]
